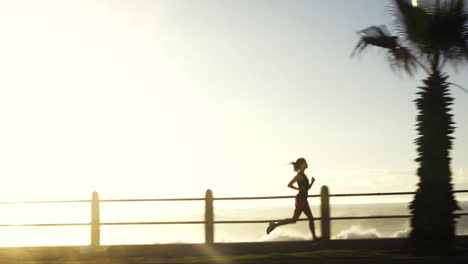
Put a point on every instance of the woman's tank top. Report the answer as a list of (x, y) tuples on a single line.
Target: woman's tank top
[(304, 183)]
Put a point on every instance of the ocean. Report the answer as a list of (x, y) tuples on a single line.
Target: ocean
[(194, 233)]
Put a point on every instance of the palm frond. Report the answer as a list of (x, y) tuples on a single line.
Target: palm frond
[(412, 23), (399, 57), (459, 87), (376, 36), (449, 30), (434, 27)]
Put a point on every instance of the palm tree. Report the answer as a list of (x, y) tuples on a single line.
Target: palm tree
[(427, 36)]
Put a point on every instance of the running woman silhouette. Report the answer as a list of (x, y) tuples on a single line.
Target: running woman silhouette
[(301, 198)]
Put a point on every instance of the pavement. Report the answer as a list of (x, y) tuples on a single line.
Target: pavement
[(323, 252)]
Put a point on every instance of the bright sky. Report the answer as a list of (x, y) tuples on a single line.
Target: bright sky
[(149, 99)]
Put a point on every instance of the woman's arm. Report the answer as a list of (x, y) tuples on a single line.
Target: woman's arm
[(290, 184), (312, 180)]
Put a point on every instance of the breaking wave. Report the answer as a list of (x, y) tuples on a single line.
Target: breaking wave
[(358, 232)]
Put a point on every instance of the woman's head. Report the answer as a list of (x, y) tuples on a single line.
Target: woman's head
[(299, 164)]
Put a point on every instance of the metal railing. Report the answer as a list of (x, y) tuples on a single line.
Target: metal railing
[(209, 220)]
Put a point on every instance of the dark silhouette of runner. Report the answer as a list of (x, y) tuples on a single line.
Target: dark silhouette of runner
[(301, 198)]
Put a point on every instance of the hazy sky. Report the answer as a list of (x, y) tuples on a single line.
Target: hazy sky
[(148, 99)]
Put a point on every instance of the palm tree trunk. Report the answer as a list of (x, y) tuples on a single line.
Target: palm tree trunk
[(433, 207)]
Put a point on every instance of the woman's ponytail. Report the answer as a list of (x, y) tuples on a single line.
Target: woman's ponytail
[(297, 164)]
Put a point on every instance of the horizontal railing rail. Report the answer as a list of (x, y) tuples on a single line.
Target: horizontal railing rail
[(385, 194), (156, 223), (209, 220), (65, 224), (47, 202), (153, 200), (219, 198)]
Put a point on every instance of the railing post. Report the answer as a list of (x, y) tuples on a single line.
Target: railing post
[(209, 218), (325, 213), (95, 221)]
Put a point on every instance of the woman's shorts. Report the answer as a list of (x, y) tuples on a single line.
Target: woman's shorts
[(302, 203)]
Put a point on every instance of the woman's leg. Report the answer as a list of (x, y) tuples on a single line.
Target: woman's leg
[(297, 213), (309, 215)]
